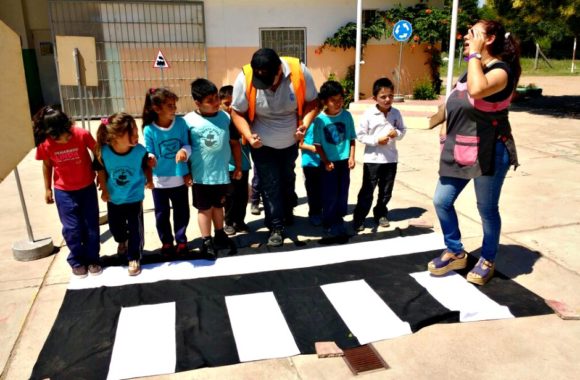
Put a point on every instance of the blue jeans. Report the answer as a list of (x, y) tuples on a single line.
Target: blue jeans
[(275, 168), (487, 192), (164, 200)]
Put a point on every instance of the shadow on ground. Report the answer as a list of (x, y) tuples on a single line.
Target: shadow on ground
[(566, 106)]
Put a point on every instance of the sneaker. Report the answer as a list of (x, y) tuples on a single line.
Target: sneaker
[(167, 249), (80, 271), (255, 209), (275, 239), (315, 220), (241, 227), (182, 249), (207, 250), (95, 269), (383, 222), (229, 230), (122, 248), (134, 267), (358, 226)]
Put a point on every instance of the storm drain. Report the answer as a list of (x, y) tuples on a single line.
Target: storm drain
[(363, 359)]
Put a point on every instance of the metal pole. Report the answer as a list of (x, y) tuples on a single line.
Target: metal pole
[(358, 50), (452, 38), (78, 75), (536, 59), (23, 203), (162, 81), (573, 56), (398, 90)]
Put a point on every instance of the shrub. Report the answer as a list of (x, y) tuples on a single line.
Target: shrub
[(424, 91)]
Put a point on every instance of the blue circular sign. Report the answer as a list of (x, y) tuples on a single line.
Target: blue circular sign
[(402, 30)]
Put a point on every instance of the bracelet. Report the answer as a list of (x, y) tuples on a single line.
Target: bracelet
[(472, 55)]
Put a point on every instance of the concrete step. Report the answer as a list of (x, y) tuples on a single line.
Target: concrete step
[(416, 113)]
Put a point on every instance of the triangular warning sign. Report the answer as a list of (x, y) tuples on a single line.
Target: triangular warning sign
[(160, 61)]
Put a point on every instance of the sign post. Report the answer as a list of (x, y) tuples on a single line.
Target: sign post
[(161, 63), (401, 32)]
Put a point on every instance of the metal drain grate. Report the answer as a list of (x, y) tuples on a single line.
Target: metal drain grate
[(363, 359)]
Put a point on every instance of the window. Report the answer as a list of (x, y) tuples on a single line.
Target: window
[(368, 17), (286, 41)]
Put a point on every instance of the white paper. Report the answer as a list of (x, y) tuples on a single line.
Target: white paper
[(144, 342), (259, 327), (456, 294), (367, 316)]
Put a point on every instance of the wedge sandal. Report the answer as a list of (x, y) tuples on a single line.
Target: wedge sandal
[(439, 267), (482, 272)]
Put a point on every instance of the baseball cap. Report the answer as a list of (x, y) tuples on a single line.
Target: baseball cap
[(265, 65)]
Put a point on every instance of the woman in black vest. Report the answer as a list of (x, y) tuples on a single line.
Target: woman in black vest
[(477, 144)]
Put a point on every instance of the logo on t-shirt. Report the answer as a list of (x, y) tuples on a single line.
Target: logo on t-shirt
[(210, 139), (65, 155), (168, 148), (122, 175), (335, 133)]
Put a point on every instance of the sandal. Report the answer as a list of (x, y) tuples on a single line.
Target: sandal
[(481, 272), (439, 267)]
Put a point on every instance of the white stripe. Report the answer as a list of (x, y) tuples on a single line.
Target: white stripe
[(367, 316), (144, 342), (259, 328), (263, 262), (456, 294)]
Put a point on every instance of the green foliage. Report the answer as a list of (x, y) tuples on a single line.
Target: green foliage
[(431, 27), (424, 91), (348, 85)]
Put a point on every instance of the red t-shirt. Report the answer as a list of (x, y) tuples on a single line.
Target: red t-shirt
[(71, 161)]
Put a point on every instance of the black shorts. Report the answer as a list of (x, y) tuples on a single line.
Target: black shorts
[(208, 196)]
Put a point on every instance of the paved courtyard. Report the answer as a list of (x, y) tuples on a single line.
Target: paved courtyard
[(539, 249)]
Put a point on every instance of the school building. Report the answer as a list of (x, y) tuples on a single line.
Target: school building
[(212, 39)]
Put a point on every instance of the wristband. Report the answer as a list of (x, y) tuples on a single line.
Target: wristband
[(472, 55)]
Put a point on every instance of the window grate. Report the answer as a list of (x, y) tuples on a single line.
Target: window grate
[(286, 41)]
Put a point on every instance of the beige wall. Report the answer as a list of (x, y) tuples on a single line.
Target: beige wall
[(12, 13), (224, 64)]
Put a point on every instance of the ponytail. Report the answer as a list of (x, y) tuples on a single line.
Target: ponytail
[(102, 138), (155, 97)]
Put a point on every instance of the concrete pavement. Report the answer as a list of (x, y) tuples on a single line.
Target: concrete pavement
[(540, 237)]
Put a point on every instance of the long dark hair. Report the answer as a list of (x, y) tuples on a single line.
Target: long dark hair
[(155, 97), (49, 122), (112, 127), (505, 46)]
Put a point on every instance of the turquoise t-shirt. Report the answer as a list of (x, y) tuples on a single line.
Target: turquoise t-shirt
[(310, 158), (164, 143), (125, 176), (210, 148), (334, 134)]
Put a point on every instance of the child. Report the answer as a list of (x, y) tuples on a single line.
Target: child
[(64, 150), (123, 173), (237, 197), (334, 138), (210, 155), (167, 141), (379, 128), (313, 172)]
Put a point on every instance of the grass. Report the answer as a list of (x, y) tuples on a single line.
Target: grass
[(561, 67)]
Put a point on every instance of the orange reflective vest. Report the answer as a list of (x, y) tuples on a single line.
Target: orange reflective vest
[(298, 83)]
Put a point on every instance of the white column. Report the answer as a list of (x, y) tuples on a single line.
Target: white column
[(358, 49), (452, 38)]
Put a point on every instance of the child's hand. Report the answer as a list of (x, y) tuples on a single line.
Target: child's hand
[(351, 163), (383, 140), (188, 180), (181, 156), (48, 196), (392, 134), (255, 141), (237, 174), (105, 196), (149, 185), (300, 131), (329, 166), (152, 161)]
